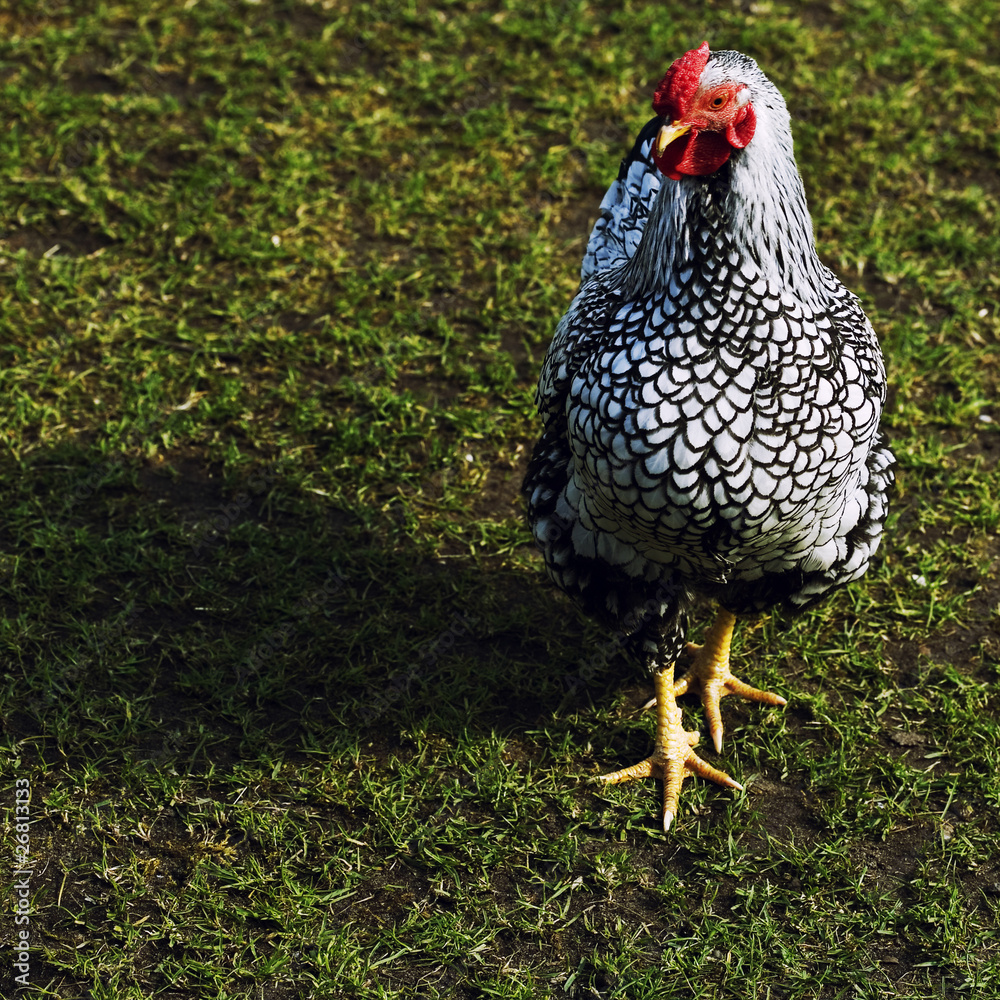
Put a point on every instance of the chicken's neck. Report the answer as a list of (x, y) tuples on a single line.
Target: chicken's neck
[(751, 214)]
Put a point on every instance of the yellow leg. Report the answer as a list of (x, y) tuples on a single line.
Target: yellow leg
[(710, 676), (672, 758)]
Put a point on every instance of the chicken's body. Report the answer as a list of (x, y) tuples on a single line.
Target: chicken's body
[(711, 399)]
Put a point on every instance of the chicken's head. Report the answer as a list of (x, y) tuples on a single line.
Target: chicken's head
[(703, 121)]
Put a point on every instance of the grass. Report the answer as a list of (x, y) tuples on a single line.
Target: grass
[(298, 712)]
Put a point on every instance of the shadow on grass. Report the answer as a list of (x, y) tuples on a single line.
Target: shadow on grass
[(178, 636), (165, 609)]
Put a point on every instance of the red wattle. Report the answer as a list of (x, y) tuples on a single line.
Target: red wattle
[(694, 154)]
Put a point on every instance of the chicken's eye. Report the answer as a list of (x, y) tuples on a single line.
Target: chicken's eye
[(718, 101)]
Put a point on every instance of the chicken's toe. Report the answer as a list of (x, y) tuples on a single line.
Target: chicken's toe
[(672, 759), (709, 675)]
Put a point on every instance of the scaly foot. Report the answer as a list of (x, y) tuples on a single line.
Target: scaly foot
[(710, 676), (672, 759)]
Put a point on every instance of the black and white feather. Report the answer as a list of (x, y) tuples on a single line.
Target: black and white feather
[(711, 398)]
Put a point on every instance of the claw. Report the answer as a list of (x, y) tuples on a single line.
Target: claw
[(710, 676), (672, 759)]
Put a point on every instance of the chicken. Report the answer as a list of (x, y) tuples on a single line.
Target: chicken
[(710, 402)]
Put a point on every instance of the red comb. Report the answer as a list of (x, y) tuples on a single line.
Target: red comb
[(680, 84)]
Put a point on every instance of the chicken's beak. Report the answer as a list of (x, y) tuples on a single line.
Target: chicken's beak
[(668, 133)]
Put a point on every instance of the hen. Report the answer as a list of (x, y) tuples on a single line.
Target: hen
[(710, 401)]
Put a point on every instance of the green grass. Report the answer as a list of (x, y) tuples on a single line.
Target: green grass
[(299, 713)]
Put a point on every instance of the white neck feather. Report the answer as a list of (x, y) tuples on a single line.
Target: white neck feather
[(753, 206)]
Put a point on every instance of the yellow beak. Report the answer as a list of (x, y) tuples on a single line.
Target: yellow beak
[(668, 133)]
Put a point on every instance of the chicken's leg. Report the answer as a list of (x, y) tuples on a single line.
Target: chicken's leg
[(710, 676), (672, 758)]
